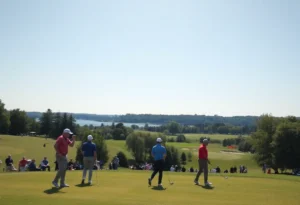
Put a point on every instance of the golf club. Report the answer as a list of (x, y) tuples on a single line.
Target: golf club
[(97, 177)]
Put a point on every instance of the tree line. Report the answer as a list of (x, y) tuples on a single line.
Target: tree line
[(164, 119), (217, 128), (276, 142), (16, 121)]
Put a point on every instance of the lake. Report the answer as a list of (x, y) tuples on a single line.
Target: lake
[(96, 123)]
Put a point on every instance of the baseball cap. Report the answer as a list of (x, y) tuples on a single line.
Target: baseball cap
[(205, 140), (90, 137), (159, 140), (67, 130)]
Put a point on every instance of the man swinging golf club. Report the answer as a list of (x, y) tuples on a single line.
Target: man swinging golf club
[(203, 163), (159, 153), (89, 158)]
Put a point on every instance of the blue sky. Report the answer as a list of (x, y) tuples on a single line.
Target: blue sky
[(162, 57)]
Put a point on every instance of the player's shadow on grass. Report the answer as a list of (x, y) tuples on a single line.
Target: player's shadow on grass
[(157, 188), (83, 185), (206, 187), (53, 191)]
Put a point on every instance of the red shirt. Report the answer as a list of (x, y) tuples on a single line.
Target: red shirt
[(23, 163), (62, 145), (203, 154)]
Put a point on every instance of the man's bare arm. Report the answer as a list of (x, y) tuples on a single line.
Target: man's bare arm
[(72, 142)]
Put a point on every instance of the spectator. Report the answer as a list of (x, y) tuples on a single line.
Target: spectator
[(116, 163), (191, 169), (264, 167), (172, 169), (22, 165), (71, 164), (9, 164), (218, 170), (226, 171), (32, 166), (45, 164), (183, 169)]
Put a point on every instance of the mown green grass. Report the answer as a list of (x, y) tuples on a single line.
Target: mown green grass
[(32, 147), (130, 187)]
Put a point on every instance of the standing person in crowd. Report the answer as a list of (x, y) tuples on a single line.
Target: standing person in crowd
[(203, 163), (89, 158), (61, 148), (159, 154), (116, 162)]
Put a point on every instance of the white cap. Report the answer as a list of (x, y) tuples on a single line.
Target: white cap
[(205, 140), (90, 138), (67, 130), (159, 140)]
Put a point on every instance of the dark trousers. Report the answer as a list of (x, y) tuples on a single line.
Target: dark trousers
[(203, 167), (45, 167), (158, 167)]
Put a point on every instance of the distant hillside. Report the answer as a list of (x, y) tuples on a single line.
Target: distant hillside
[(162, 119)]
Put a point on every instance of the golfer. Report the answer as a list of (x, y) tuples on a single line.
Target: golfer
[(89, 158), (159, 153), (203, 163), (61, 148)]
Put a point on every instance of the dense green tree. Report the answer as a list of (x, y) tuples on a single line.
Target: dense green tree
[(64, 122), (183, 158), (180, 138), (46, 122), (123, 162), (136, 144), (4, 119), (33, 125), (172, 157), (18, 122), (286, 145), (56, 125), (173, 127), (262, 140), (71, 123)]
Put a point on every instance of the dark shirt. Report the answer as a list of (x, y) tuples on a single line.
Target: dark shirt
[(88, 149), (32, 166), (9, 161)]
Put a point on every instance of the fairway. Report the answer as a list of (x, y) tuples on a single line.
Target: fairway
[(130, 187), (126, 186)]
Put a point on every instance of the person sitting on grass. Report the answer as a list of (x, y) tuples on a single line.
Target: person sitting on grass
[(22, 165), (10, 164), (218, 170), (32, 166), (191, 169), (71, 165), (45, 164)]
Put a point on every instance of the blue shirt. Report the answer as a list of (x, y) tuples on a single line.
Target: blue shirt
[(88, 149), (158, 151), (45, 162)]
